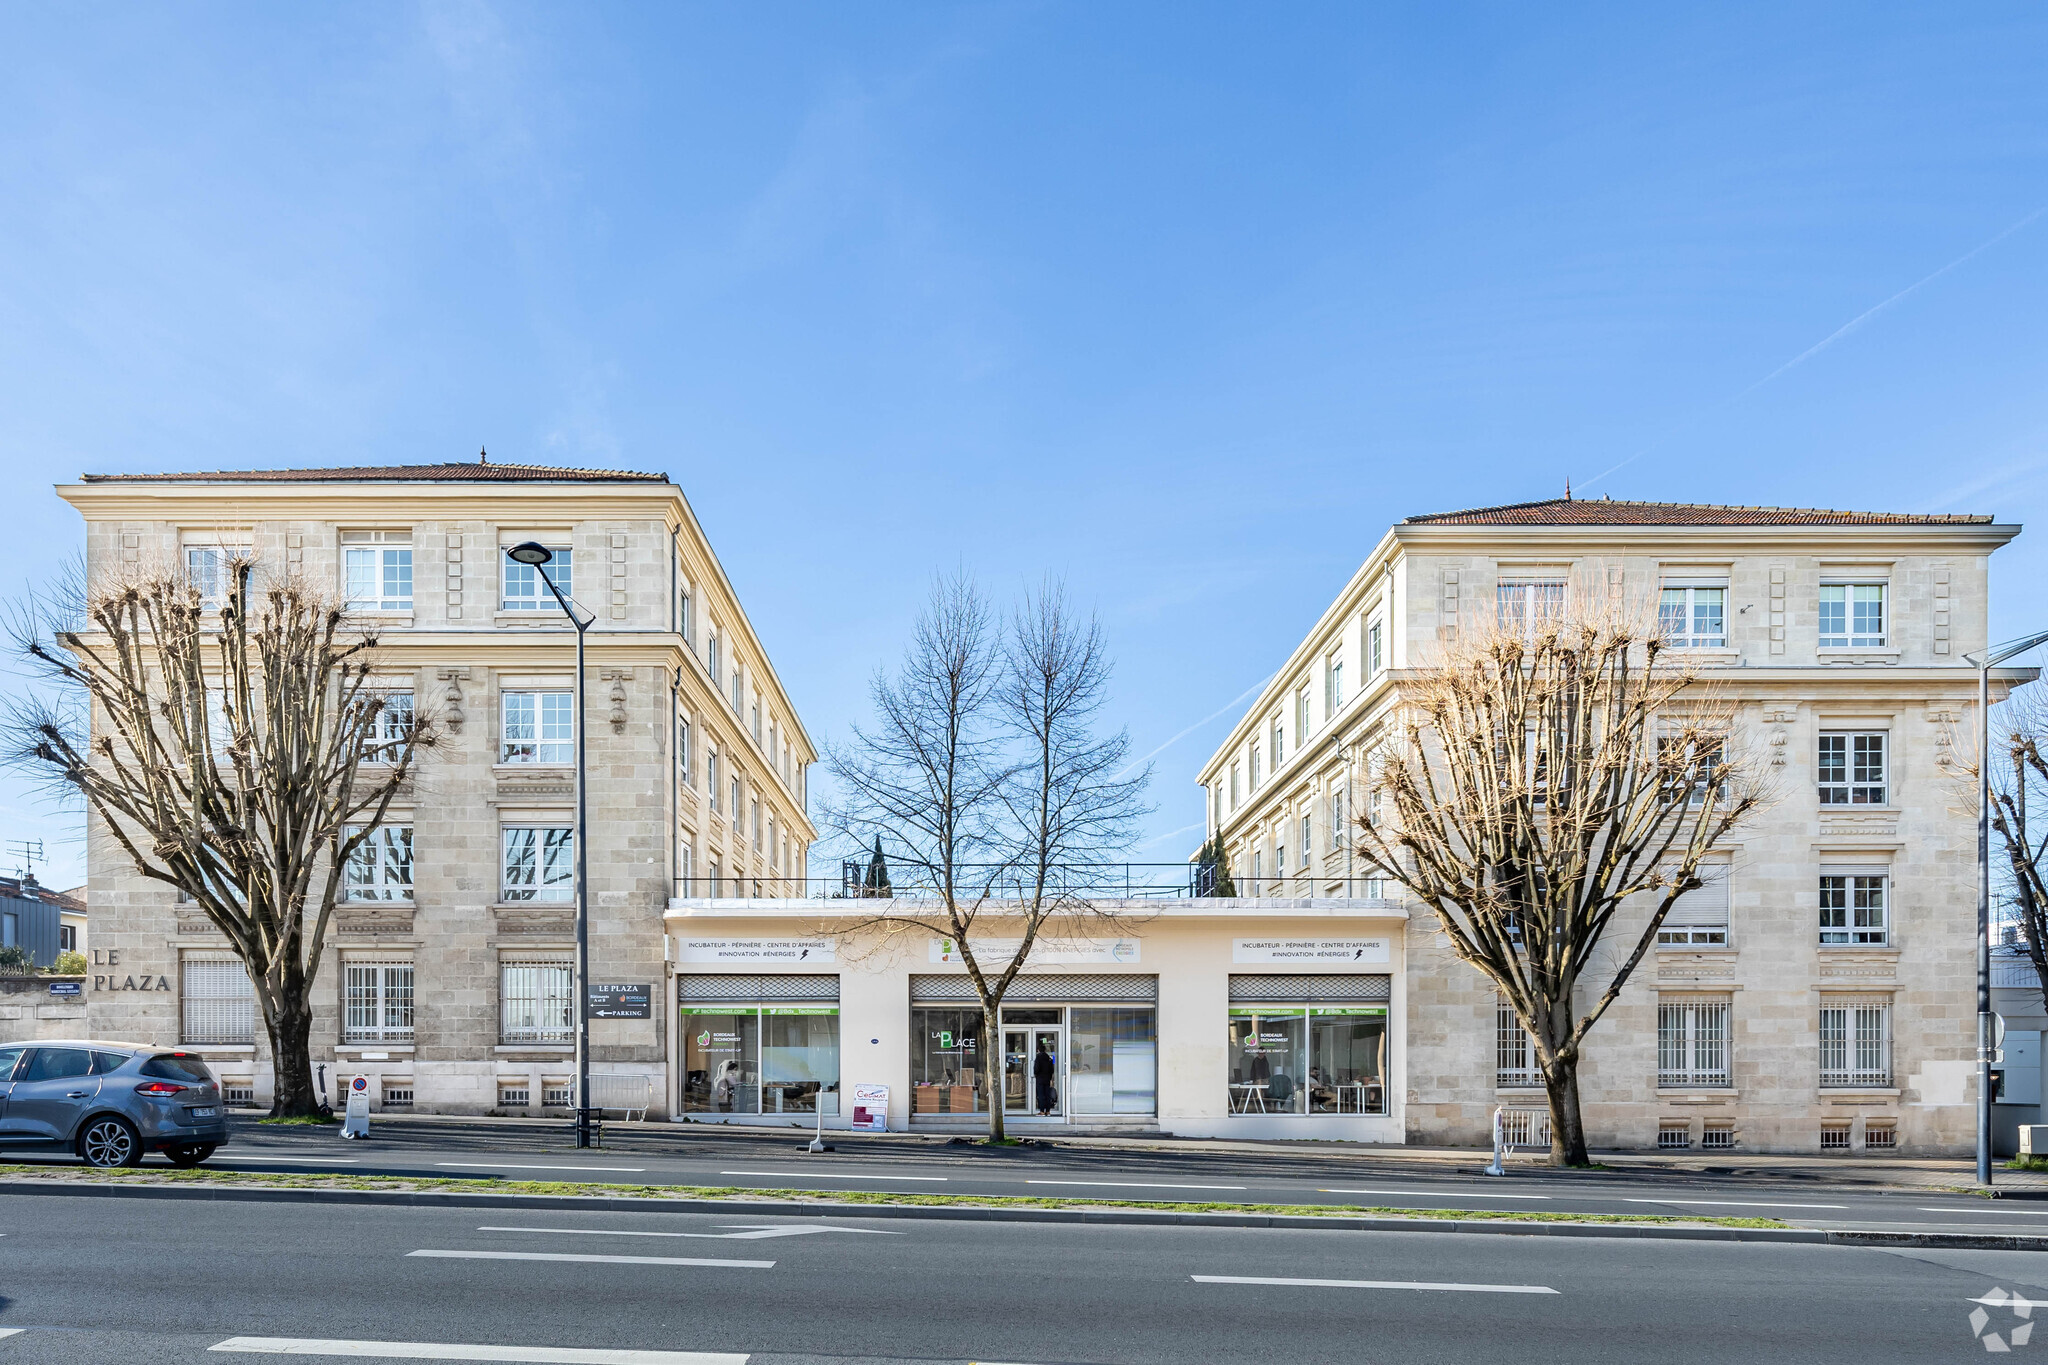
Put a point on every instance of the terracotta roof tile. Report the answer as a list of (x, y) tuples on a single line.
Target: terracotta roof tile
[(397, 473), (1612, 512)]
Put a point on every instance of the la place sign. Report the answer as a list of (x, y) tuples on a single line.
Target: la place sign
[(110, 981)]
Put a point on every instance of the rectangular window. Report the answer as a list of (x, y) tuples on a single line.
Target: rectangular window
[(1268, 1061), (206, 567), (1514, 1058), (1375, 656), (746, 1059), (1233, 786), (1851, 769), (1329, 687), (1292, 1059), (377, 1004), (683, 753), (540, 727), (734, 788), (539, 863), (711, 778), (1255, 767), (948, 1062), (755, 712), (711, 658), (754, 812), (1852, 615), (1112, 1061), (1693, 617), (1853, 908), (381, 867), (377, 570), (686, 620), (737, 687), (1307, 843), (1699, 918), (1856, 1045), (1522, 608), (1692, 1044), (219, 1003), (67, 938), (392, 729), (1301, 718), (524, 588), (536, 1002)]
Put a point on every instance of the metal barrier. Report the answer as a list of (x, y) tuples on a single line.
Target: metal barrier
[(631, 1094), (1524, 1129)]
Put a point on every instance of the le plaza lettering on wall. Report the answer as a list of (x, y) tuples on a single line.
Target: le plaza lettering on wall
[(116, 981)]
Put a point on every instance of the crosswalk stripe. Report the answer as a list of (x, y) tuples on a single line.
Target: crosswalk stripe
[(442, 1350)]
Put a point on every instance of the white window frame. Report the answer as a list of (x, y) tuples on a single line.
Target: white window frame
[(538, 849), (549, 716), (1279, 743), (206, 567), (1680, 628), (1301, 718), (1699, 918), (1857, 913), (1514, 1052), (1234, 786), (520, 585), (1692, 1044), (683, 752), (711, 777), (1855, 1044), (1255, 767), (391, 730), (1375, 649), (1522, 605), (381, 867), (377, 570), (532, 994), (1854, 748), (377, 1001), (1851, 626), (1307, 838)]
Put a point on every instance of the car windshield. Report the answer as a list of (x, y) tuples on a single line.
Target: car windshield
[(177, 1066)]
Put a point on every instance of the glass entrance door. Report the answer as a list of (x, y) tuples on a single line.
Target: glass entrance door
[(1023, 1072)]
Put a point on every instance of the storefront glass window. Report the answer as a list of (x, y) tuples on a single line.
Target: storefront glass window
[(1268, 1068), (946, 1058), (1347, 1053), (1112, 1061), (799, 1060), (721, 1061)]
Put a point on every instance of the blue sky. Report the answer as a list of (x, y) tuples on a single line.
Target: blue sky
[(1184, 302)]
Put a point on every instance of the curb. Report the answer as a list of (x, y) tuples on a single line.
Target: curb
[(795, 1208)]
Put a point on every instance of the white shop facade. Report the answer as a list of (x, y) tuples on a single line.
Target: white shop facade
[(1199, 1018)]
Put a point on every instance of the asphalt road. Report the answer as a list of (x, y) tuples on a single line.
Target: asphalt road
[(767, 1162), (90, 1280)]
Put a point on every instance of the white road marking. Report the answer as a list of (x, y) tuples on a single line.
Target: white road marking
[(1438, 1194), (1732, 1204), (438, 1350), (515, 1166), (1380, 1284), (12, 1331), (1995, 1213), (605, 1260), (303, 1160), (758, 1231), (1133, 1185), (825, 1175)]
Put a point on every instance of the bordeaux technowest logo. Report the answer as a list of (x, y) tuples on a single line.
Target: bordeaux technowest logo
[(2002, 1321)]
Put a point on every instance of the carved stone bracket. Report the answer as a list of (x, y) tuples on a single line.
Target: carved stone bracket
[(617, 677), (451, 697)]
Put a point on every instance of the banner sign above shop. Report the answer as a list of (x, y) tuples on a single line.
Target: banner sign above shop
[(995, 953), (1321, 951), (706, 950)]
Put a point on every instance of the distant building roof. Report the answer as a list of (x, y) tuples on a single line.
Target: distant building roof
[(477, 472), (1613, 512)]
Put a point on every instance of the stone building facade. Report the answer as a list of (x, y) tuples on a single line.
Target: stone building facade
[(1821, 996), (446, 972)]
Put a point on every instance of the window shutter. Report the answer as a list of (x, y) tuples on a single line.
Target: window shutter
[(1706, 905)]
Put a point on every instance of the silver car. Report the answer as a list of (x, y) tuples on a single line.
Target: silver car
[(110, 1102)]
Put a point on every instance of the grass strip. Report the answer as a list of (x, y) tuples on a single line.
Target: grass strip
[(306, 1180)]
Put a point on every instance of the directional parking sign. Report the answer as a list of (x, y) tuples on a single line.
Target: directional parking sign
[(621, 1001)]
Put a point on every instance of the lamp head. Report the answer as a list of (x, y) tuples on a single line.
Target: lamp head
[(531, 552)]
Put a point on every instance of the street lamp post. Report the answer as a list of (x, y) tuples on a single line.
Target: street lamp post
[(537, 556), (1984, 663)]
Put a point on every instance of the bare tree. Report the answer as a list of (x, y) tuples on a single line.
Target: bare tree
[(985, 778), (2019, 787), (242, 757), (1544, 779)]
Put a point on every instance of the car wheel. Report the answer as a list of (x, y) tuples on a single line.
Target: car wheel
[(189, 1154), (109, 1141)]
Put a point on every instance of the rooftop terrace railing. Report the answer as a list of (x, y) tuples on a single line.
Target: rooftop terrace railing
[(1094, 881)]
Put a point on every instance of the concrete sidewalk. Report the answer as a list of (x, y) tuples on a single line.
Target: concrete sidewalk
[(1855, 1170)]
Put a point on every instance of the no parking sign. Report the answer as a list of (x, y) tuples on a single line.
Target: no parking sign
[(356, 1118)]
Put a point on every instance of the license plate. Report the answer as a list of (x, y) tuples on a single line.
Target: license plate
[(206, 1113)]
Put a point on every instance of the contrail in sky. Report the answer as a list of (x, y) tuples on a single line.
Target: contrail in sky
[(1830, 339), (1238, 701)]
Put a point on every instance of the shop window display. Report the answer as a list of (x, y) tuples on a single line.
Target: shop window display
[(1112, 1062), (1298, 1060), (754, 1060), (946, 1062)]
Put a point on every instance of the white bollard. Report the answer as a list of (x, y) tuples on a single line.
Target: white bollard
[(1499, 1166)]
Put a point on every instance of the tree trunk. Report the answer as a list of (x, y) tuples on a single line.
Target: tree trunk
[(992, 1054), (291, 1058), (1567, 1129)]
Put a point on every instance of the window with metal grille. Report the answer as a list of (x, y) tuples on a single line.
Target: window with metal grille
[(1850, 768), (1692, 1043), (381, 867), (232, 1093), (513, 1097), (1853, 908), (1880, 1136), (558, 1096), (1514, 1057), (1834, 1137), (219, 1003), (540, 727), (1693, 616), (539, 863), (1852, 615), (1700, 916), (1717, 1137), (1856, 1045), (524, 590), (534, 999), (397, 1097), (1672, 1136), (377, 570), (377, 1002)]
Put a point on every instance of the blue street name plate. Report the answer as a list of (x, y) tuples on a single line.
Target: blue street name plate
[(67, 988)]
